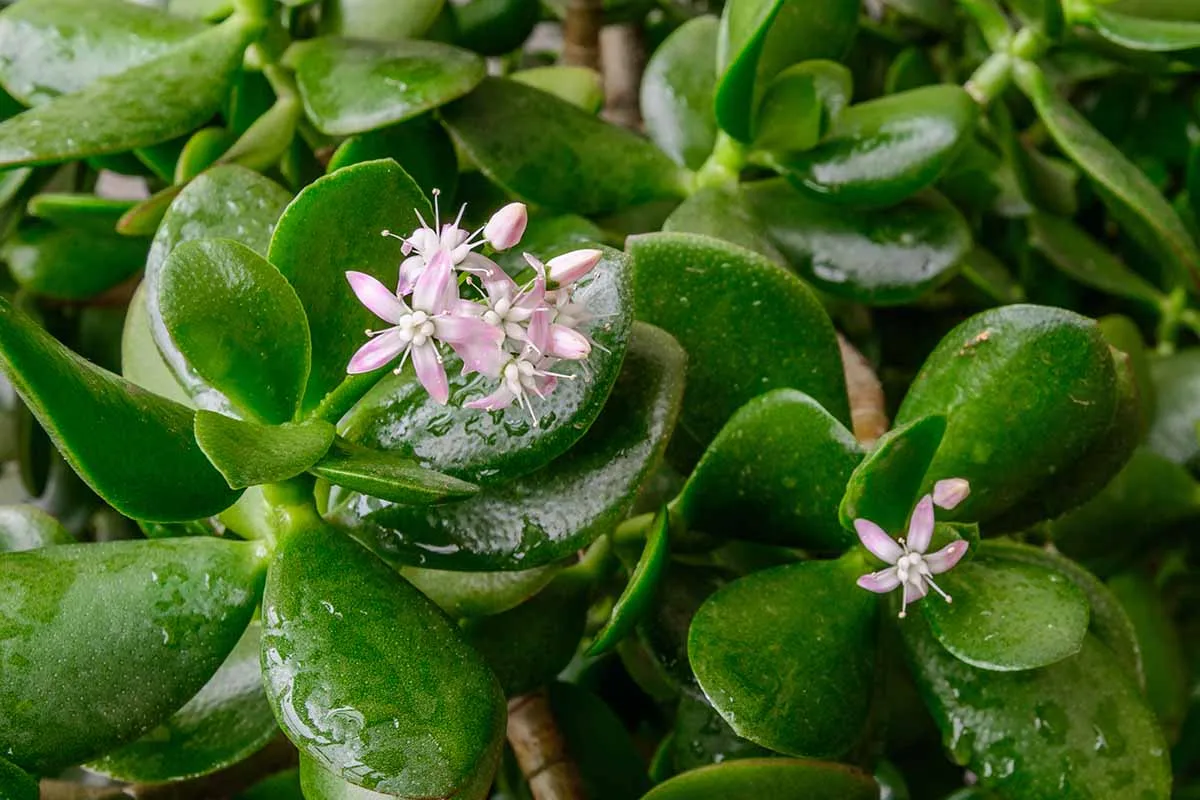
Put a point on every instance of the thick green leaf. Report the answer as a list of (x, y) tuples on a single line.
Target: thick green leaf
[(800, 104), (885, 487), (351, 86), (781, 461), (882, 151), (331, 227), (27, 527), (797, 683), (1015, 420), (527, 646), (370, 679), (549, 152), (579, 86), (496, 27), (16, 784), (150, 103), (202, 151), (379, 19), (148, 623), (54, 47), (239, 325), (144, 218), (1081, 257), (1176, 413), (776, 778), (318, 783), (70, 263), (1129, 193), (1076, 729), (986, 629), (875, 256), (420, 146), (227, 721), (388, 476), (225, 202), (551, 513), (141, 362), (84, 211), (677, 92), (1139, 33), (747, 326), (759, 38), (610, 764), (249, 453), (280, 786), (723, 213), (1168, 685), (638, 595), (398, 414), (1124, 335), (478, 594), (142, 459), (702, 737)]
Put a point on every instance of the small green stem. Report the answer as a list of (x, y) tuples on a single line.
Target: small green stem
[(1190, 319), (991, 79), (723, 166), (991, 21), (1029, 44), (633, 530), (1172, 312), (294, 506)]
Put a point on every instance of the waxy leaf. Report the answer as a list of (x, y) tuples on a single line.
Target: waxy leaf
[(1168, 685), (1078, 728), (777, 778), (723, 213), (16, 784), (1081, 257), (147, 104), (333, 226), (1131, 196), (141, 362), (986, 629), (885, 487), (84, 211), (148, 622), (227, 721), (70, 263), (551, 153), (249, 453), (493, 447), (677, 92), (27, 527), (880, 152), (1172, 431), (142, 460), (420, 146), (370, 679), (800, 104), (610, 764), (379, 19), (1015, 420), (55, 47), (388, 476), (875, 256), (478, 594), (551, 513), (318, 783), (639, 592), (239, 325), (759, 38), (353, 85), (579, 86), (495, 27), (702, 737), (798, 683), (225, 202), (747, 326), (1139, 33), (781, 461)]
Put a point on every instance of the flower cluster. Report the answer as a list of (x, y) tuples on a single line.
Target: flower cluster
[(448, 293), (910, 566)]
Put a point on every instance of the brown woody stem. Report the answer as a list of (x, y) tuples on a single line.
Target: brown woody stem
[(867, 409), (581, 33), (540, 750)]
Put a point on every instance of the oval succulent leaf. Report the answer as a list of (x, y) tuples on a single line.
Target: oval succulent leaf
[(388, 476), (250, 454), (27, 527), (71, 263), (677, 92), (777, 778), (370, 679), (886, 485), (639, 592)]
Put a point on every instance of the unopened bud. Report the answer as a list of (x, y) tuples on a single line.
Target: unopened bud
[(950, 492), (570, 267), (507, 226)]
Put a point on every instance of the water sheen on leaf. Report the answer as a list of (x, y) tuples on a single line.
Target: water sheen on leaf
[(677, 92), (250, 454), (776, 778), (492, 447), (27, 527), (552, 513)]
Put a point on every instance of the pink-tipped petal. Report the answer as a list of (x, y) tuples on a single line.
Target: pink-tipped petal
[(456, 329), (566, 343), (484, 358), (920, 527), (947, 557), (950, 492), (501, 398), (572, 266), (431, 373), (507, 226), (880, 582), (432, 291), (410, 269), (538, 332), (914, 592), (376, 297), (875, 539), (496, 282), (376, 353)]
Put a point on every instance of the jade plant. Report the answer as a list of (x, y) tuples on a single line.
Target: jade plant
[(382, 420)]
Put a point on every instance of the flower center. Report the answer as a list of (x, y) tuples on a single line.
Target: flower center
[(909, 563)]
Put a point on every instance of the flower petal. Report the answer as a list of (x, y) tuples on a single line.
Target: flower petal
[(457, 329), (410, 269), (920, 527), (947, 557), (430, 372), (566, 343), (507, 226), (875, 539), (432, 292), (379, 299), (914, 592), (880, 582), (538, 332), (572, 266), (376, 353), (950, 492), (501, 398)]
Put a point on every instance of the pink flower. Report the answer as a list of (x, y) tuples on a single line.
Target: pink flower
[(528, 373), (910, 566), (416, 330), (950, 492), (507, 226), (573, 266)]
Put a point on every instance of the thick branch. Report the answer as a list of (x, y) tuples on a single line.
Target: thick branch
[(624, 57), (581, 33), (540, 749), (867, 409)]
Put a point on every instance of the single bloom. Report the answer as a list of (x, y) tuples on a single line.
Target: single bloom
[(507, 226), (417, 329), (911, 567)]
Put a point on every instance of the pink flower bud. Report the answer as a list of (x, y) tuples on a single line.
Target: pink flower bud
[(507, 226), (950, 492), (570, 267)]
